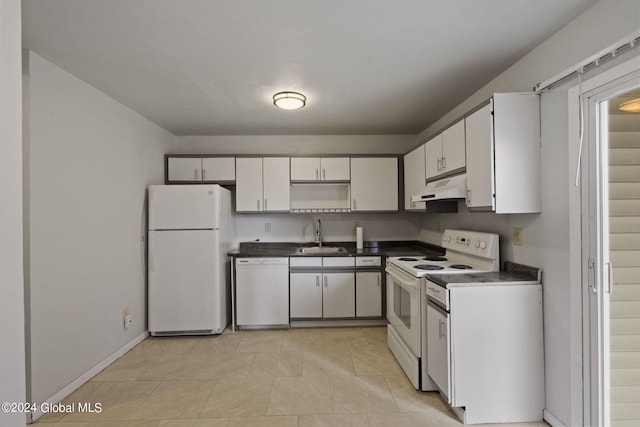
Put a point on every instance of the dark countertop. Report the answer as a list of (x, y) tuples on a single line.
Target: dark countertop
[(382, 248)]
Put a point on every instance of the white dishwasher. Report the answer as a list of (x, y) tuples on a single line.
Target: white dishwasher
[(262, 292)]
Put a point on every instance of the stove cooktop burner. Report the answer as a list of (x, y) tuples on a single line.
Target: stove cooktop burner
[(435, 258), (428, 267), (461, 267), (408, 259)]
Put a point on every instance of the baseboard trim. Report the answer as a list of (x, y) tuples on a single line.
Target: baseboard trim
[(553, 421), (82, 379)]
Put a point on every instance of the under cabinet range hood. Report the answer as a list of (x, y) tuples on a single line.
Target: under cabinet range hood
[(453, 187)]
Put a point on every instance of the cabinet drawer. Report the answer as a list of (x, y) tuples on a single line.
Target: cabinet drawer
[(368, 261), (338, 262), (305, 262)]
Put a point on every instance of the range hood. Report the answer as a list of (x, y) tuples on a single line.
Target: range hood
[(453, 187)]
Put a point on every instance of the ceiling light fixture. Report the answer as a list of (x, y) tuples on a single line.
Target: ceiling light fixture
[(289, 100), (631, 106)]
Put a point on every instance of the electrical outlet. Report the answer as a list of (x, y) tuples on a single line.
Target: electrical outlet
[(517, 236), (128, 321), (356, 224), (267, 227)]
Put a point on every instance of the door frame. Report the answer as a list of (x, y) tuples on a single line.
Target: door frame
[(589, 254)]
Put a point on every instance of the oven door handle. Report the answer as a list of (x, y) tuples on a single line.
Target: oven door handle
[(413, 285)]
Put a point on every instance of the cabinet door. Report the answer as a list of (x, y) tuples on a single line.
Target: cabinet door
[(368, 294), (305, 295), (433, 156), (414, 177), (216, 169), (374, 184), (338, 295), (480, 176), (188, 169), (335, 169), (276, 184), (438, 364), (453, 147), (305, 169), (249, 184)]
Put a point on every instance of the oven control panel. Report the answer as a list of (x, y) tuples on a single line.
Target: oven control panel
[(483, 245)]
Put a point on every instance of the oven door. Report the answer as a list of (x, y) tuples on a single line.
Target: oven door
[(403, 307)]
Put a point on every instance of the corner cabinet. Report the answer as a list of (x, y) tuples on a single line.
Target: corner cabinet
[(374, 184), (503, 154), (414, 177), (262, 184)]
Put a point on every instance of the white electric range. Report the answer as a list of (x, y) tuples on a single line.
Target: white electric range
[(467, 252)]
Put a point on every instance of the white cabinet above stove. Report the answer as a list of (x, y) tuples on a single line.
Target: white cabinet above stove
[(503, 154)]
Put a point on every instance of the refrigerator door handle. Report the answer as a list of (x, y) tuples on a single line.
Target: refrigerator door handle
[(152, 258), (152, 198)]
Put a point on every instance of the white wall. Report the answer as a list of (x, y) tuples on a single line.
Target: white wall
[(12, 352), (295, 145), (547, 237), (90, 160)]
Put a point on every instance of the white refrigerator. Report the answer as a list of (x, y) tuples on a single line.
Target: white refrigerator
[(190, 234)]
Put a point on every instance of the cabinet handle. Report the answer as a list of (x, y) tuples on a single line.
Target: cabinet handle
[(196, 173), (317, 281), (354, 204), (468, 196), (444, 163), (325, 281), (265, 204), (324, 174), (440, 328), (439, 168), (204, 174)]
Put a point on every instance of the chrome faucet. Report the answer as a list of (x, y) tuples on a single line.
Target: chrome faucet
[(318, 239)]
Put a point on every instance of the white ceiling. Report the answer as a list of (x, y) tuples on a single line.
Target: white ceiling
[(210, 67)]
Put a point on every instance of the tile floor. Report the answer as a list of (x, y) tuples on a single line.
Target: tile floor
[(297, 377)]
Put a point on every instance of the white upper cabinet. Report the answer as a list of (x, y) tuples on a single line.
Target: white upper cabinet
[(185, 169), (275, 172), (218, 169), (453, 147), (262, 185), (374, 184), (433, 156), (445, 153), (320, 169), (414, 177), (503, 166), (201, 169)]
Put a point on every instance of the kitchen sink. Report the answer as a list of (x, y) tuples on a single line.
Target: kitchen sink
[(321, 250)]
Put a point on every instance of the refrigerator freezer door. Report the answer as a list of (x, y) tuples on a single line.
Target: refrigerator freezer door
[(186, 286), (184, 207)]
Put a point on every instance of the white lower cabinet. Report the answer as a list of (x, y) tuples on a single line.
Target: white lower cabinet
[(368, 294), (322, 295)]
